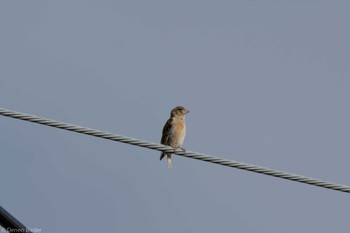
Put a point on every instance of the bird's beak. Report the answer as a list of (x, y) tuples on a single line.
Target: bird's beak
[(187, 111)]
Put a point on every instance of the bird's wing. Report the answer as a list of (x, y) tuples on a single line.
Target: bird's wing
[(166, 134), (167, 131)]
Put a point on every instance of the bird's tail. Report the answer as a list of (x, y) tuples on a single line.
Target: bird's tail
[(169, 160), (168, 156)]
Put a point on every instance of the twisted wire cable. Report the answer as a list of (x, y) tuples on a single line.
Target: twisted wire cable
[(188, 154), (10, 223)]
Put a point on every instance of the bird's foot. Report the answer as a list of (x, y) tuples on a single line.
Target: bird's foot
[(181, 148)]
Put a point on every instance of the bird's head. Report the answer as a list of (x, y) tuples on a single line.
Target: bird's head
[(179, 111)]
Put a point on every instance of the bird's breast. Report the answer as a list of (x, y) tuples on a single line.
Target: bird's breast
[(180, 133)]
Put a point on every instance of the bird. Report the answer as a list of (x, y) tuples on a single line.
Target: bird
[(174, 131)]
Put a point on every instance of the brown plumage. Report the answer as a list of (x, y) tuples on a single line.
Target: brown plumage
[(174, 131)]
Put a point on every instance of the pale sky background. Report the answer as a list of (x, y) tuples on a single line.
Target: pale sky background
[(267, 83)]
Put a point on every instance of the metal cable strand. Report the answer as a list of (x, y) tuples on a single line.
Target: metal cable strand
[(10, 223), (188, 154)]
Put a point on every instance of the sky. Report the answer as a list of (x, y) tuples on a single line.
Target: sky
[(266, 83)]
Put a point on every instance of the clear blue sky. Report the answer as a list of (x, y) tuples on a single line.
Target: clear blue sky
[(267, 83)]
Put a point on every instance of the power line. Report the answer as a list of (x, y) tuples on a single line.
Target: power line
[(188, 154), (10, 223)]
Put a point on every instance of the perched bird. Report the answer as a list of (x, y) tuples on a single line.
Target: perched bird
[(174, 131)]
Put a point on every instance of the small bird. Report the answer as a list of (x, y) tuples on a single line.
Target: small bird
[(174, 131)]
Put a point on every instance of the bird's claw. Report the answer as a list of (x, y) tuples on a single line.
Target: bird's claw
[(181, 148)]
